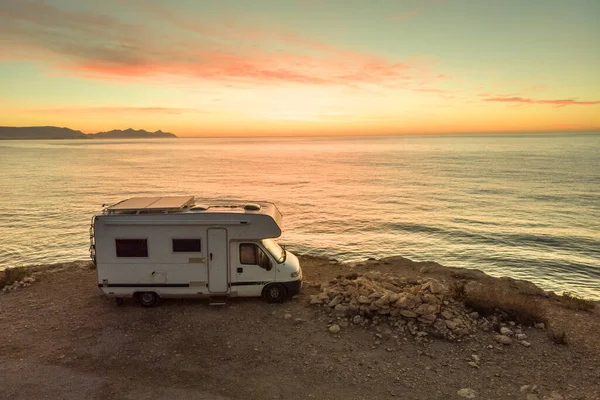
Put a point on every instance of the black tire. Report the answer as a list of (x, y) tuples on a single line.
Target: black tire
[(275, 293), (148, 299)]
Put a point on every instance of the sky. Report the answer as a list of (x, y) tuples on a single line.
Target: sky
[(301, 67)]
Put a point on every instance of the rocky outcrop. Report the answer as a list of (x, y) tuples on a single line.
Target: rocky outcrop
[(419, 306)]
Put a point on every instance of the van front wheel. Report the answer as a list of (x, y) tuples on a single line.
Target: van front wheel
[(275, 293), (148, 299)]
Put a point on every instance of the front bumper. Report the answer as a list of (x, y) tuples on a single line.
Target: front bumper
[(293, 287)]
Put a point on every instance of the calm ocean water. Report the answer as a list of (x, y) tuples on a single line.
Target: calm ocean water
[(522, 206)]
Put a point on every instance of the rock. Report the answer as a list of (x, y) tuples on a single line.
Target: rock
[(505, 331), (437, 287), (298, 321), (467, 393), (540, 325), (525, 343), (336, 300), (340, 309), (363, 300), (475, 357), (426, 309), (503, 339), (474, 315), (408, 314), (314, 299), (473, 364), (357, 319), (452, 325), (375, 295), (335, 328), (555, 396), (521, 336), (447, 314), (287, 316), (532, 396)]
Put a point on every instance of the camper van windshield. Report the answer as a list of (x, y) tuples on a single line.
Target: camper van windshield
[(275, 250)]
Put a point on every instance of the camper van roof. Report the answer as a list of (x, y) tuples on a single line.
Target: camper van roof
[(152, 203), (183, 204)]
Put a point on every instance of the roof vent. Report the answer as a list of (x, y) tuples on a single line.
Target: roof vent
[(251, 207)]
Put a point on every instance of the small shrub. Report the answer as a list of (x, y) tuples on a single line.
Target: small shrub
[(517, 307), (10, 275), (575, 302)]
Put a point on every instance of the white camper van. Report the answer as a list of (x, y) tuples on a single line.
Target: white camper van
[(153, 247)]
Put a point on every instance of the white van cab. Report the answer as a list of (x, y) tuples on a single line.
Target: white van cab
[(159, 247)]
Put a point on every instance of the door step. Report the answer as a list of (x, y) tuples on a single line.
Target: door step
[(217, 300)]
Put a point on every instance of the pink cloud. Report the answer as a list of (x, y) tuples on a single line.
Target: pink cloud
[(104, 47), (557, 103)]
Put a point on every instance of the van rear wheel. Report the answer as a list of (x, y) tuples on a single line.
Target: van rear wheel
[(275, 293), (148, 299)]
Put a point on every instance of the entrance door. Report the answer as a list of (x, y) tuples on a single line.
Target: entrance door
[(217, 261)]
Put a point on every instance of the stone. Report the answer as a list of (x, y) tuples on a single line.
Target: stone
[(298, 321), (340, 309), (437, 287), (335, 328), (363, 300), (375, 295), (473, 364), (452, 325), (532, 396), (430, 299), (357, 319), (474, 315), (525, 343), (503, 339), (467, 393), (540, 325), (315, 300), (505, 331), (426, 309), (287, 316), (447, 314), (555, 396), (336, 300), (408, 314), (475, 358), (521, 336)]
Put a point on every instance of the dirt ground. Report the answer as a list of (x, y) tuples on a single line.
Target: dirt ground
[(62, 338)]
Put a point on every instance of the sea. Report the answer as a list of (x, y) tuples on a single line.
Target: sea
[(524, 206)]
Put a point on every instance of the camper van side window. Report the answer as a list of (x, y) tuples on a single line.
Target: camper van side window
[(132, 247), (186, 245), (248, 254)]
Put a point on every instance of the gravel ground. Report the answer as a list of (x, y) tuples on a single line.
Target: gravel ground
[(62, 338)]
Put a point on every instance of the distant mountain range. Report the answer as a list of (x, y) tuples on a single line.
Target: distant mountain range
[(53, 132)]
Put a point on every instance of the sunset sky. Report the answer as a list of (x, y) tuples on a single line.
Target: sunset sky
[(301, 67)]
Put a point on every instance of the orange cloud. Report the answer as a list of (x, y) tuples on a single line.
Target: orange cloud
[(557, 103), (101, 47)]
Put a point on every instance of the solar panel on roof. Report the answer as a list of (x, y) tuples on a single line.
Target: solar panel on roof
[(152, 203)]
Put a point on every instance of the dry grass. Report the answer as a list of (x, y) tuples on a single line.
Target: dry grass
[(10, 275), (516, 307), (575, 302)]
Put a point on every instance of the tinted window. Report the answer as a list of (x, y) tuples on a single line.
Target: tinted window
[(186, 245), (248, 253), (132, 247), (251, 254)]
